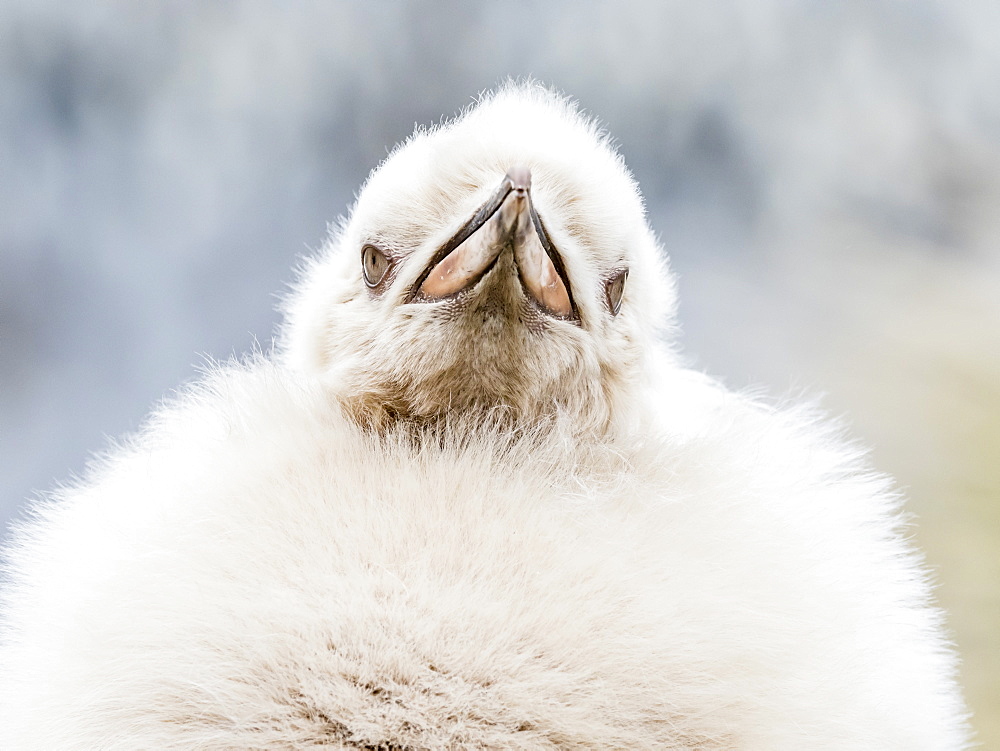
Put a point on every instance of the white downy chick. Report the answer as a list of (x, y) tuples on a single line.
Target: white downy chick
[(472, 501)]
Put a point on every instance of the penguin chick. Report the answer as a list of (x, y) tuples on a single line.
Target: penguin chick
[(473, 502)]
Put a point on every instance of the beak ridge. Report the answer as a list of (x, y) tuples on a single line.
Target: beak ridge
[(506, 219)]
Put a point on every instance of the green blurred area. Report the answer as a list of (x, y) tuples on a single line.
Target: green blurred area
[(904, 342), (940, 437)]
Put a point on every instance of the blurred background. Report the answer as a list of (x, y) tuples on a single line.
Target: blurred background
[(824, 175)]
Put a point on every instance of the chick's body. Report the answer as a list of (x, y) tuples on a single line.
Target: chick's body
[(393, 535)]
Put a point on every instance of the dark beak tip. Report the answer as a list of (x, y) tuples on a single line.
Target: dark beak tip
[(520, 179)]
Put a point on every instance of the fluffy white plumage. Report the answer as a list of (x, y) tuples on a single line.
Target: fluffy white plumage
[(467, 523)]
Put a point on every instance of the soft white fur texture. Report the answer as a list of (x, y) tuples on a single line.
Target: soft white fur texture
[(581, 545)]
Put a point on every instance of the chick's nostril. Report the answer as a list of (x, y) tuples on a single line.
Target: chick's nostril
[(520, 179)]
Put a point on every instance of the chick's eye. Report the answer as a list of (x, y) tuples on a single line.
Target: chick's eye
[(614, 290), (374, 265)]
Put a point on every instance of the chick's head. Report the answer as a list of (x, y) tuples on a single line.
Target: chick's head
[(498, 263)]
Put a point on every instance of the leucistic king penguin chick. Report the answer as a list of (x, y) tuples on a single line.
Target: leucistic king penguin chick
[(472, 502)]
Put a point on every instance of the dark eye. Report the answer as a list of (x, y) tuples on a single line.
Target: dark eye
[(374, 265), (615, 289)]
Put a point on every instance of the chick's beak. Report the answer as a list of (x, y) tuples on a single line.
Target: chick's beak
[(506, 220)]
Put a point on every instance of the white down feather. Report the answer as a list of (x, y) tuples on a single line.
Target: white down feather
[(258, 570)]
